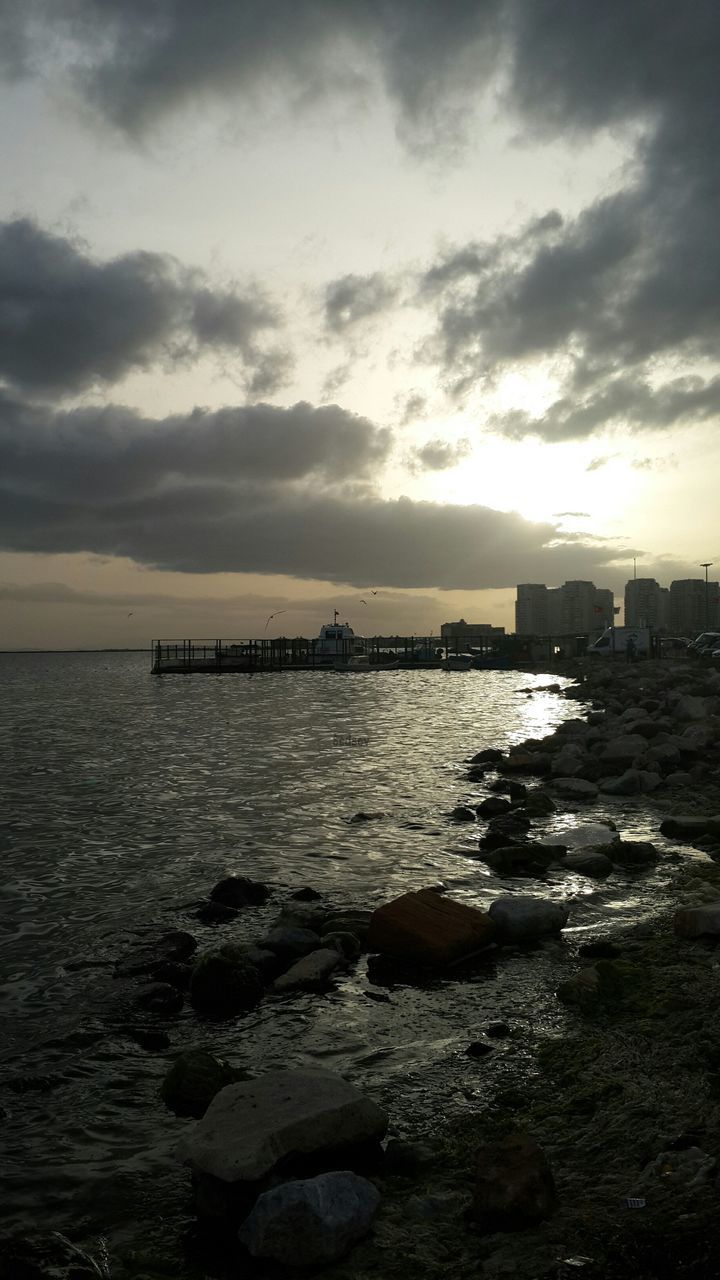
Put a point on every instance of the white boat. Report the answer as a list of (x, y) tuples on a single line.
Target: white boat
[(457, 662), (338, 647)]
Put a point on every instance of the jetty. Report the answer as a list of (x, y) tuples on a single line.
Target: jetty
[(187, 657)]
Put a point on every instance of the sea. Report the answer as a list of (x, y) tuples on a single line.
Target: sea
[(125, 797)]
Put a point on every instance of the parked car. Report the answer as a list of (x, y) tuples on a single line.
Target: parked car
[(704, 644)]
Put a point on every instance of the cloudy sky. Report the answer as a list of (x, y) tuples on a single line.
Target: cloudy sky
[(304, 299)]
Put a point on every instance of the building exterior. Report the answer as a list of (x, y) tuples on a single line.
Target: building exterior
[(647, 604), (694, 606), (576, 608), (463, 630)]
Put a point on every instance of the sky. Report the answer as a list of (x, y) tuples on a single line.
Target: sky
[(376, 305)]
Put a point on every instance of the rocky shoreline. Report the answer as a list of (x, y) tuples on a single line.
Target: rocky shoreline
[(621, 1114)]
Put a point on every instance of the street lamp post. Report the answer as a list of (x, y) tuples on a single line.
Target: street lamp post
[(706, 565)]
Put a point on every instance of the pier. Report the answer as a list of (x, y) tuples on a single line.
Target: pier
[(186, 657)]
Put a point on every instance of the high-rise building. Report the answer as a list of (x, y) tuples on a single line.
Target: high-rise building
[(576, 608), (694, 606), (463, 630), (646, 604), (531, 609)]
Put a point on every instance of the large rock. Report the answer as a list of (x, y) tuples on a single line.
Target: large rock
[(694, 922), (576, 789), (587, 834), (537, 804), (493, 806), (526, 919), (239, 891), (528, 859), (689, 708), (633, 853), (589, 862), (290, 943), (312, 1221), (222, 985), (312, 973), (193, 1081), (514, 1185), (250, 1128), (624, 750), (689, 828), (427, 928)]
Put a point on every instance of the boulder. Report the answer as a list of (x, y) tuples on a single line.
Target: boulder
[(632, 853), (627, 784), (689, 708), (174, 946), (192, 1082), (528, 859), (493, 806), (587, 834), (239, 891), (161, 997), (346, 943), (576, 789), (536, 804), (514, 1185), (509, 787), (312, 1221), (357, 922), (589, 862), (251, 1127), (312, 973), (221, 985), (520, 918), (569, 762), (695, 922), (624, 750), (463, 813), (689, 828), (426, 928), (488, 756)]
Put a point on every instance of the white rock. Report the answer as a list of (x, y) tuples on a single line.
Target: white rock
[(310, 1221), (249, 1127), (311, 972), (521, 918)]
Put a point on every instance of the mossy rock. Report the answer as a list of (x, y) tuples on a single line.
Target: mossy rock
[(193, 1080), (221, 985)]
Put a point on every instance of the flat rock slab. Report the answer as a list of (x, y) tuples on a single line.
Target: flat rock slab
[(693, 922), (250, 1127), (690, 827), (575, 788), (310, 973), (427, 928), (522, 918)]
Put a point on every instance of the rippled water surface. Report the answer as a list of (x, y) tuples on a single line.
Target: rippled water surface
[(126, 797)]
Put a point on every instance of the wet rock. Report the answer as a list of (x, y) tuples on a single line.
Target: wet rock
[(267, 963), (301, 915), (222, 985), (514, 1185), (678, 779), (600, 949), (463, 813), (479, 1049), (520, 918), (632, 853), (216, 913), (497, 1030), (586, 835), (624, 750), (406, 1159), (306, 894), (240, 891), (193, 1081), (493, 807), (526, 762), (689, 828), (588, 862), (367, 817), (631, 782), (528, 859), (488, 756), (569, 762), (347, 944), (536, 804), (576, 789), (161, 998), (357, 922), (290, 943), (696, 922), (603, 985), (429, 929), (251, 1128), (509, 787), (507, 829), (148, 1038), (312, 1221), (174, 973), (312, 973)]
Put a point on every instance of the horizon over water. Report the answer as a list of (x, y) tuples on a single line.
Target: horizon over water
[(126, 797)]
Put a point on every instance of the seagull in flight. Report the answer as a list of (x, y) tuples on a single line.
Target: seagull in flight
[(274, 615), (131, 614), (374, 593), (363, 601)]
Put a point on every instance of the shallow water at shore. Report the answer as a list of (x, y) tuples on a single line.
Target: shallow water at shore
[(127, 797)]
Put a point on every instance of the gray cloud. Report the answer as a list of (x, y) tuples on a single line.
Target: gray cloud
[(141, 59), (67, 321), (580, 515), (352, 299), (439, 455), (256, 489)]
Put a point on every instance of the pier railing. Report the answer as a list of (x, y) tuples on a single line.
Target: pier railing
[(299, 653)]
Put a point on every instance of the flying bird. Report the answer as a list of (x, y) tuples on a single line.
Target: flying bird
[(374, 593), (274, 615), (131, 614), (363, 601)]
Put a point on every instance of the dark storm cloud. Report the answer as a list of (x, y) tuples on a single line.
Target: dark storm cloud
[(439, 455), (137, 60), (257, 489), (68, 322), (98, 455), (354, 298)]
